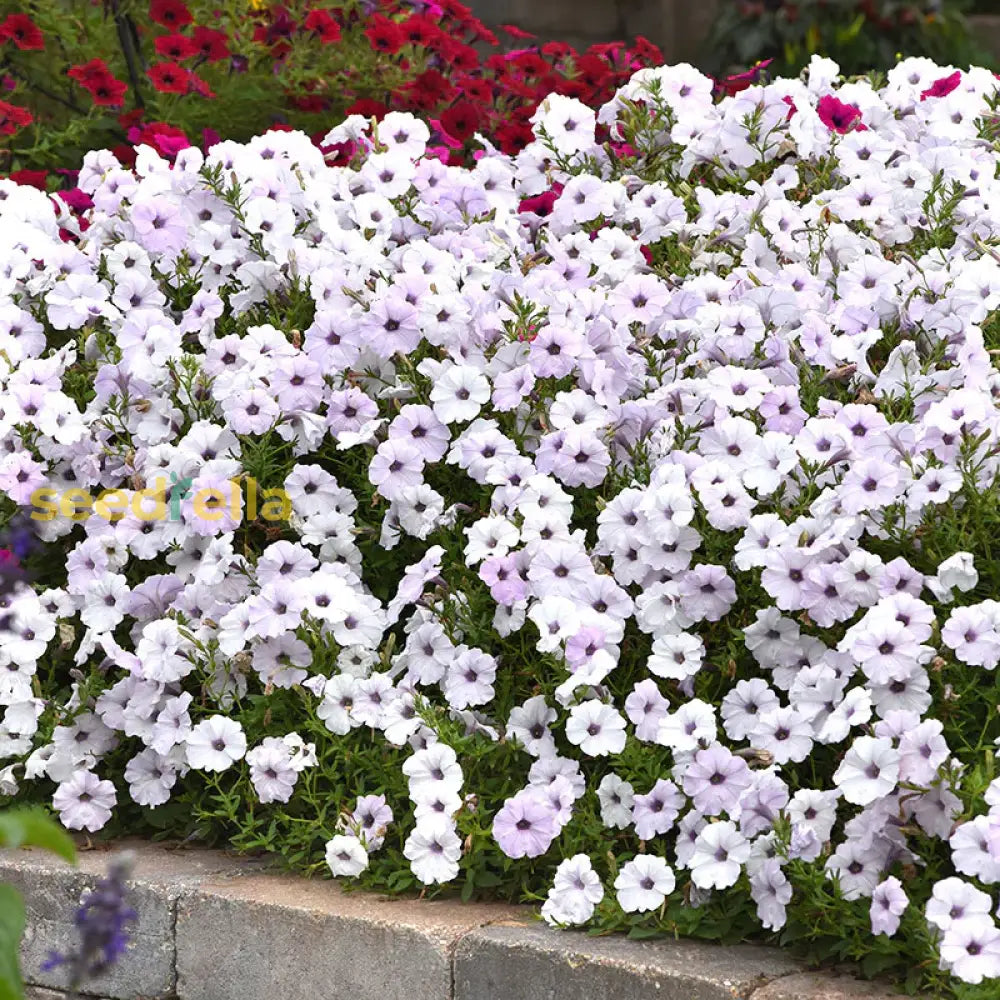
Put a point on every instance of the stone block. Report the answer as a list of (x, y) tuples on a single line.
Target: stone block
[(261, 938), (52, 890), (40, 993), (533, 963), (824, 986)]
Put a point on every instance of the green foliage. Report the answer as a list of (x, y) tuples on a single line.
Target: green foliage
[(11, 929), (34, 828), (23, 828), (860, 35)]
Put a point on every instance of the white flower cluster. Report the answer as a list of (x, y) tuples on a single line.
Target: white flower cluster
[(764, 411)]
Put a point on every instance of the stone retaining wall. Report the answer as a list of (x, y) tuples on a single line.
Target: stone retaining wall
[(217, 928)]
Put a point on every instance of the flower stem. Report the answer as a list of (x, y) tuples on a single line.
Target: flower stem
[(128, 39)]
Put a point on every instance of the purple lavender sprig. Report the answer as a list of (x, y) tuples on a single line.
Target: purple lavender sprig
[(105, 921)]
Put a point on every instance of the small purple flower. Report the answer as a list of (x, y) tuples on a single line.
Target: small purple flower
[(716, 779), (526, 825), (16, 543), (656, 812), (888, 903), (804, 843), (19, 537), (105, 921)]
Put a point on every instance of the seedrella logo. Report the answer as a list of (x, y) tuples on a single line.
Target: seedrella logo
[(174, 500)]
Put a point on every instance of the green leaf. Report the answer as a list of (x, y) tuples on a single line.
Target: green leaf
[(851, 31), (34, 828), (468, 889), (11, 928), (486, 880), (641, 933)]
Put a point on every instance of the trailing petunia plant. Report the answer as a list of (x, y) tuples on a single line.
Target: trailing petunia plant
[(610, 524)]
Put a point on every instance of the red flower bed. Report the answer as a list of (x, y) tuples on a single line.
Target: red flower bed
[(303, 64), (182, 75)]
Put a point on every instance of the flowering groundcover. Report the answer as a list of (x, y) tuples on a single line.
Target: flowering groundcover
[(634, 510)]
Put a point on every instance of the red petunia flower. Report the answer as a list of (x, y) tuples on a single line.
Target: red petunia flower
[(130, 118), (100, 82), (211, 44), (77, 200), (579, 89), (384, 35), (475, 89), (542, 204), (606, 50), (22, 31), (278, 29), (733, 85), (461, 120), (593, 71), (278, 49), (443, 152), (170, 13), (943, 87), (336, 154), (368, 107), (558, 50), (420, 30), (13, 117), (512, 137), (528, 63), (124, 154), (463, 58), (106, 91), (176, 47), (483, 34), (514, 87), (169, 78), (433, 86), (86, 73), (458, 11), (645, 51), (515, 32), (33, 178), (838, 116), (322, 22), (200, 86), (166, 139), (412, 98), (310, 103)]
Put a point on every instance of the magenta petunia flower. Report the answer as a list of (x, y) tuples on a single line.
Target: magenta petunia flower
[(942, 87), (839, 116)]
